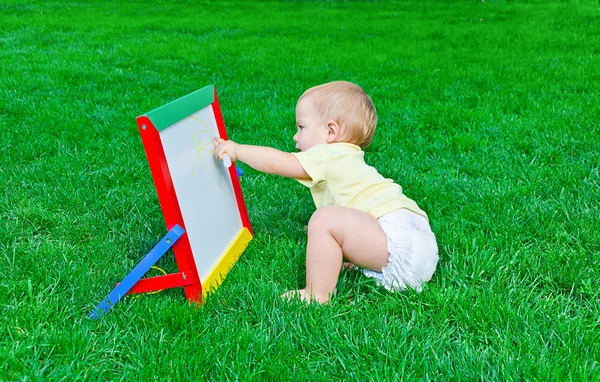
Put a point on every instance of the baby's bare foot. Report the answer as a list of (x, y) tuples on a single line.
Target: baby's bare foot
[(303, 295)]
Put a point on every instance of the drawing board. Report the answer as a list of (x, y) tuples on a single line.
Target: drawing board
[(195, 190)]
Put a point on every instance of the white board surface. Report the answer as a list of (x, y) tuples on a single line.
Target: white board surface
[(203, 188)]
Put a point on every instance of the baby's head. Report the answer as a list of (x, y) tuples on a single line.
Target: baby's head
[(342, 108)]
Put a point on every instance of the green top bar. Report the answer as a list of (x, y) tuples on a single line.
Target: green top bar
[(185, 106)]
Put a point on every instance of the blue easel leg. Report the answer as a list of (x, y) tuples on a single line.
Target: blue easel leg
[(140, 270)]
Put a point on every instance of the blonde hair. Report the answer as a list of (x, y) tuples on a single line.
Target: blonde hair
[(349, 106)]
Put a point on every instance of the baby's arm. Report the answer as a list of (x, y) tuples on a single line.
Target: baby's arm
[(261, 158)]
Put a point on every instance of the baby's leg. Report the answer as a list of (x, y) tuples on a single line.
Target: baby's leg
[(335, 233)]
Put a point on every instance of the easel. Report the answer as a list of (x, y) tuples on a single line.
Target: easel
[(156, 130)]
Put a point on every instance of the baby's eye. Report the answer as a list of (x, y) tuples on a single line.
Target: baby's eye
[(300, 127)]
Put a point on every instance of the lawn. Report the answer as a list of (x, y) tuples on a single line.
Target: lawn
[(488, 118)]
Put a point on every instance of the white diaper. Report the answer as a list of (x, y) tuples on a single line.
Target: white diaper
[(413, 251)]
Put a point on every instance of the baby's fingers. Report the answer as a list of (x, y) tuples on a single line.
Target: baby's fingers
[(220, 145), (218, 150)]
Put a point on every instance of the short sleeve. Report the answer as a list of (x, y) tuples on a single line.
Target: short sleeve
[(314, 162)]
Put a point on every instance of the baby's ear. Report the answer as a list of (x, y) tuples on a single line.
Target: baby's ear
[(333, 131)]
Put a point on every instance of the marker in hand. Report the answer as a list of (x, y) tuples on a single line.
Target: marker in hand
[(226, 160)]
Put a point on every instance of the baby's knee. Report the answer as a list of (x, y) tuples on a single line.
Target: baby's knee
[(321, 220)]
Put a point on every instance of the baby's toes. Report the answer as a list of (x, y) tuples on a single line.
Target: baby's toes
[(296, 294)]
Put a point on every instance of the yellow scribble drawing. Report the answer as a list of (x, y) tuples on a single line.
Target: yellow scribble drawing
[(204, 148)]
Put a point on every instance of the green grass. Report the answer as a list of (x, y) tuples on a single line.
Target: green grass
[(489, 119)]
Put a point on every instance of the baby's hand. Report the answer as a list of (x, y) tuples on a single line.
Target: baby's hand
[(223, 147)]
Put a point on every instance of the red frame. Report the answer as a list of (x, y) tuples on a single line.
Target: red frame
[(232, 169)]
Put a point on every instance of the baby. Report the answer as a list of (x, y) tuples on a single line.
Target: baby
[(361, 216)]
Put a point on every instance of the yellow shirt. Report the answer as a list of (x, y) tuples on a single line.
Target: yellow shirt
[(340, 177)]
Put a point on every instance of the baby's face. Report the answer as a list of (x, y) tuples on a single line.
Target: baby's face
[(312, 130)]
